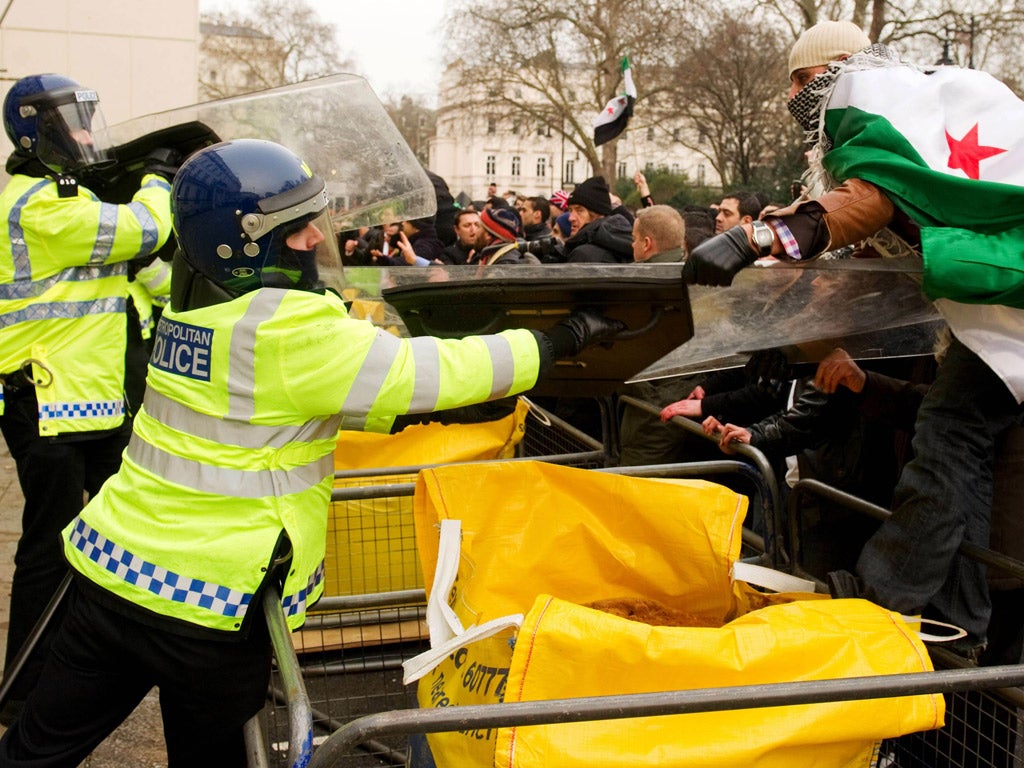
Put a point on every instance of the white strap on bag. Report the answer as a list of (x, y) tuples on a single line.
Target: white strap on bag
[(927, 637), (769, 578), (447, 634), (777, 581)]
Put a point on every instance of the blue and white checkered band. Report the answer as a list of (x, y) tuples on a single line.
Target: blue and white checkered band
[(293, 604), (166, 584), (80, 410)]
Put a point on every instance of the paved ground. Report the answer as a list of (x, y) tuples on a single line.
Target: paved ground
[(139, 742)]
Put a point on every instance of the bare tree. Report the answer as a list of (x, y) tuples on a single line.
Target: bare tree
[(279, 42), (547, 62), (731, 92)]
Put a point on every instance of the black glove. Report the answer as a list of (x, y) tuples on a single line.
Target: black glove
[(717, 260), (581, 329), (768, 367), (163, 161)]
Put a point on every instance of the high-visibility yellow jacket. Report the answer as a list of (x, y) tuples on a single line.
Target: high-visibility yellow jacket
[(63, 288), (234, 445)]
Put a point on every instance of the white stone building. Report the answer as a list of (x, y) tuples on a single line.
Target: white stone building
[(479, 142)]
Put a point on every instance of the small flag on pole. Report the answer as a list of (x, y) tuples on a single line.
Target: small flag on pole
[(613, 118)]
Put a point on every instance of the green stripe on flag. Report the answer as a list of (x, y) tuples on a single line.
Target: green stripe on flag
[(866, 146), (972, 232)]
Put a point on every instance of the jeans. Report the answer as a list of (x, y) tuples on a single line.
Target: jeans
[(943, 498)]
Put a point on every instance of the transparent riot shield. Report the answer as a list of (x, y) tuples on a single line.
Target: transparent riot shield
[(873, 308), (336, 124)]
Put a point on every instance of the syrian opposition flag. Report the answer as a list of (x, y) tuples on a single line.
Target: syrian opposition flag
[(948, 150), (611, 121)]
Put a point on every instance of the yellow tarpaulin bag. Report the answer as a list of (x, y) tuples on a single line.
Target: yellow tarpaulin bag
[(370, 542), (545, 541)]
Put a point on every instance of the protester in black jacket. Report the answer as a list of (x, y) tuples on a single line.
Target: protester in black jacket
[(598, 232)]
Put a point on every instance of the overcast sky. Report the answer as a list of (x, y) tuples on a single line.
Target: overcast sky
[(394, 43)]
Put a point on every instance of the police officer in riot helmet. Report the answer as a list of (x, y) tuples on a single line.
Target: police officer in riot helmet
[(67, 390), (226, 250), (226, 482)]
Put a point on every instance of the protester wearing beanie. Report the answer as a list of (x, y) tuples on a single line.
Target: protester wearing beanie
[(502, 223), (599, 233), (504, 231), (593, 194)]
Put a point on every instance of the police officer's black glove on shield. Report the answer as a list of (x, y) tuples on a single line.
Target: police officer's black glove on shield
[(717, 260), (581, 329), (163, 161)]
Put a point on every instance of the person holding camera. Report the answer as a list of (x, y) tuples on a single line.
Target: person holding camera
[(541, 240)]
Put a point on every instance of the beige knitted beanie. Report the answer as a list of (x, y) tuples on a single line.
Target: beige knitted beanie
[(824, 42)]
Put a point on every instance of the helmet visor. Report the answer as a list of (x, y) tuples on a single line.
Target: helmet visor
[(72, 135)]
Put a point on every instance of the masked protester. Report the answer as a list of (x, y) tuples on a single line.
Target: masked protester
[(927, 162)]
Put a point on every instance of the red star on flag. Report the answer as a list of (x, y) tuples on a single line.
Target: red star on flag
[(965, 154)]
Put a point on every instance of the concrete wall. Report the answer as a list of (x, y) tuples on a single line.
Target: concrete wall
[(139, 55)]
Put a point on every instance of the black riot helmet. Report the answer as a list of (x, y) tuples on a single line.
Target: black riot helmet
[(248, 214), (53, 118)]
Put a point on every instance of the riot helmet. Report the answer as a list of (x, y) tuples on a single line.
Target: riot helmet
[(53, 118), (249, 214)]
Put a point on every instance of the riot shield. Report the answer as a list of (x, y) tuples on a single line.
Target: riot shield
[(873, 308), (336, 124), (452, 302)]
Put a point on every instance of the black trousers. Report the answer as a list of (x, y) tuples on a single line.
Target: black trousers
[(56, 477), (101, 665)]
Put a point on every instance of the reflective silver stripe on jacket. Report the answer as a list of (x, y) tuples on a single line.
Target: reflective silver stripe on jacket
[(64, 310), (224, 481), (243, 434), (503, 365), (28, 289), (19, 249), (242, 355), (369, 381), (106, 229), (428, 375), (150, 231)]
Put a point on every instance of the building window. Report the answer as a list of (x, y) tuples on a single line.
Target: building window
[(570, 168), (515, 127), (515, 165), (675, 169), (649, 167), (542, 167), (543, 129), (492, 126), (491, 166), (701, 174), (650, 133), (675, 134), (620, 171)]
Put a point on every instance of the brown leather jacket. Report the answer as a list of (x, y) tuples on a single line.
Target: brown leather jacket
[(846, 215)]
